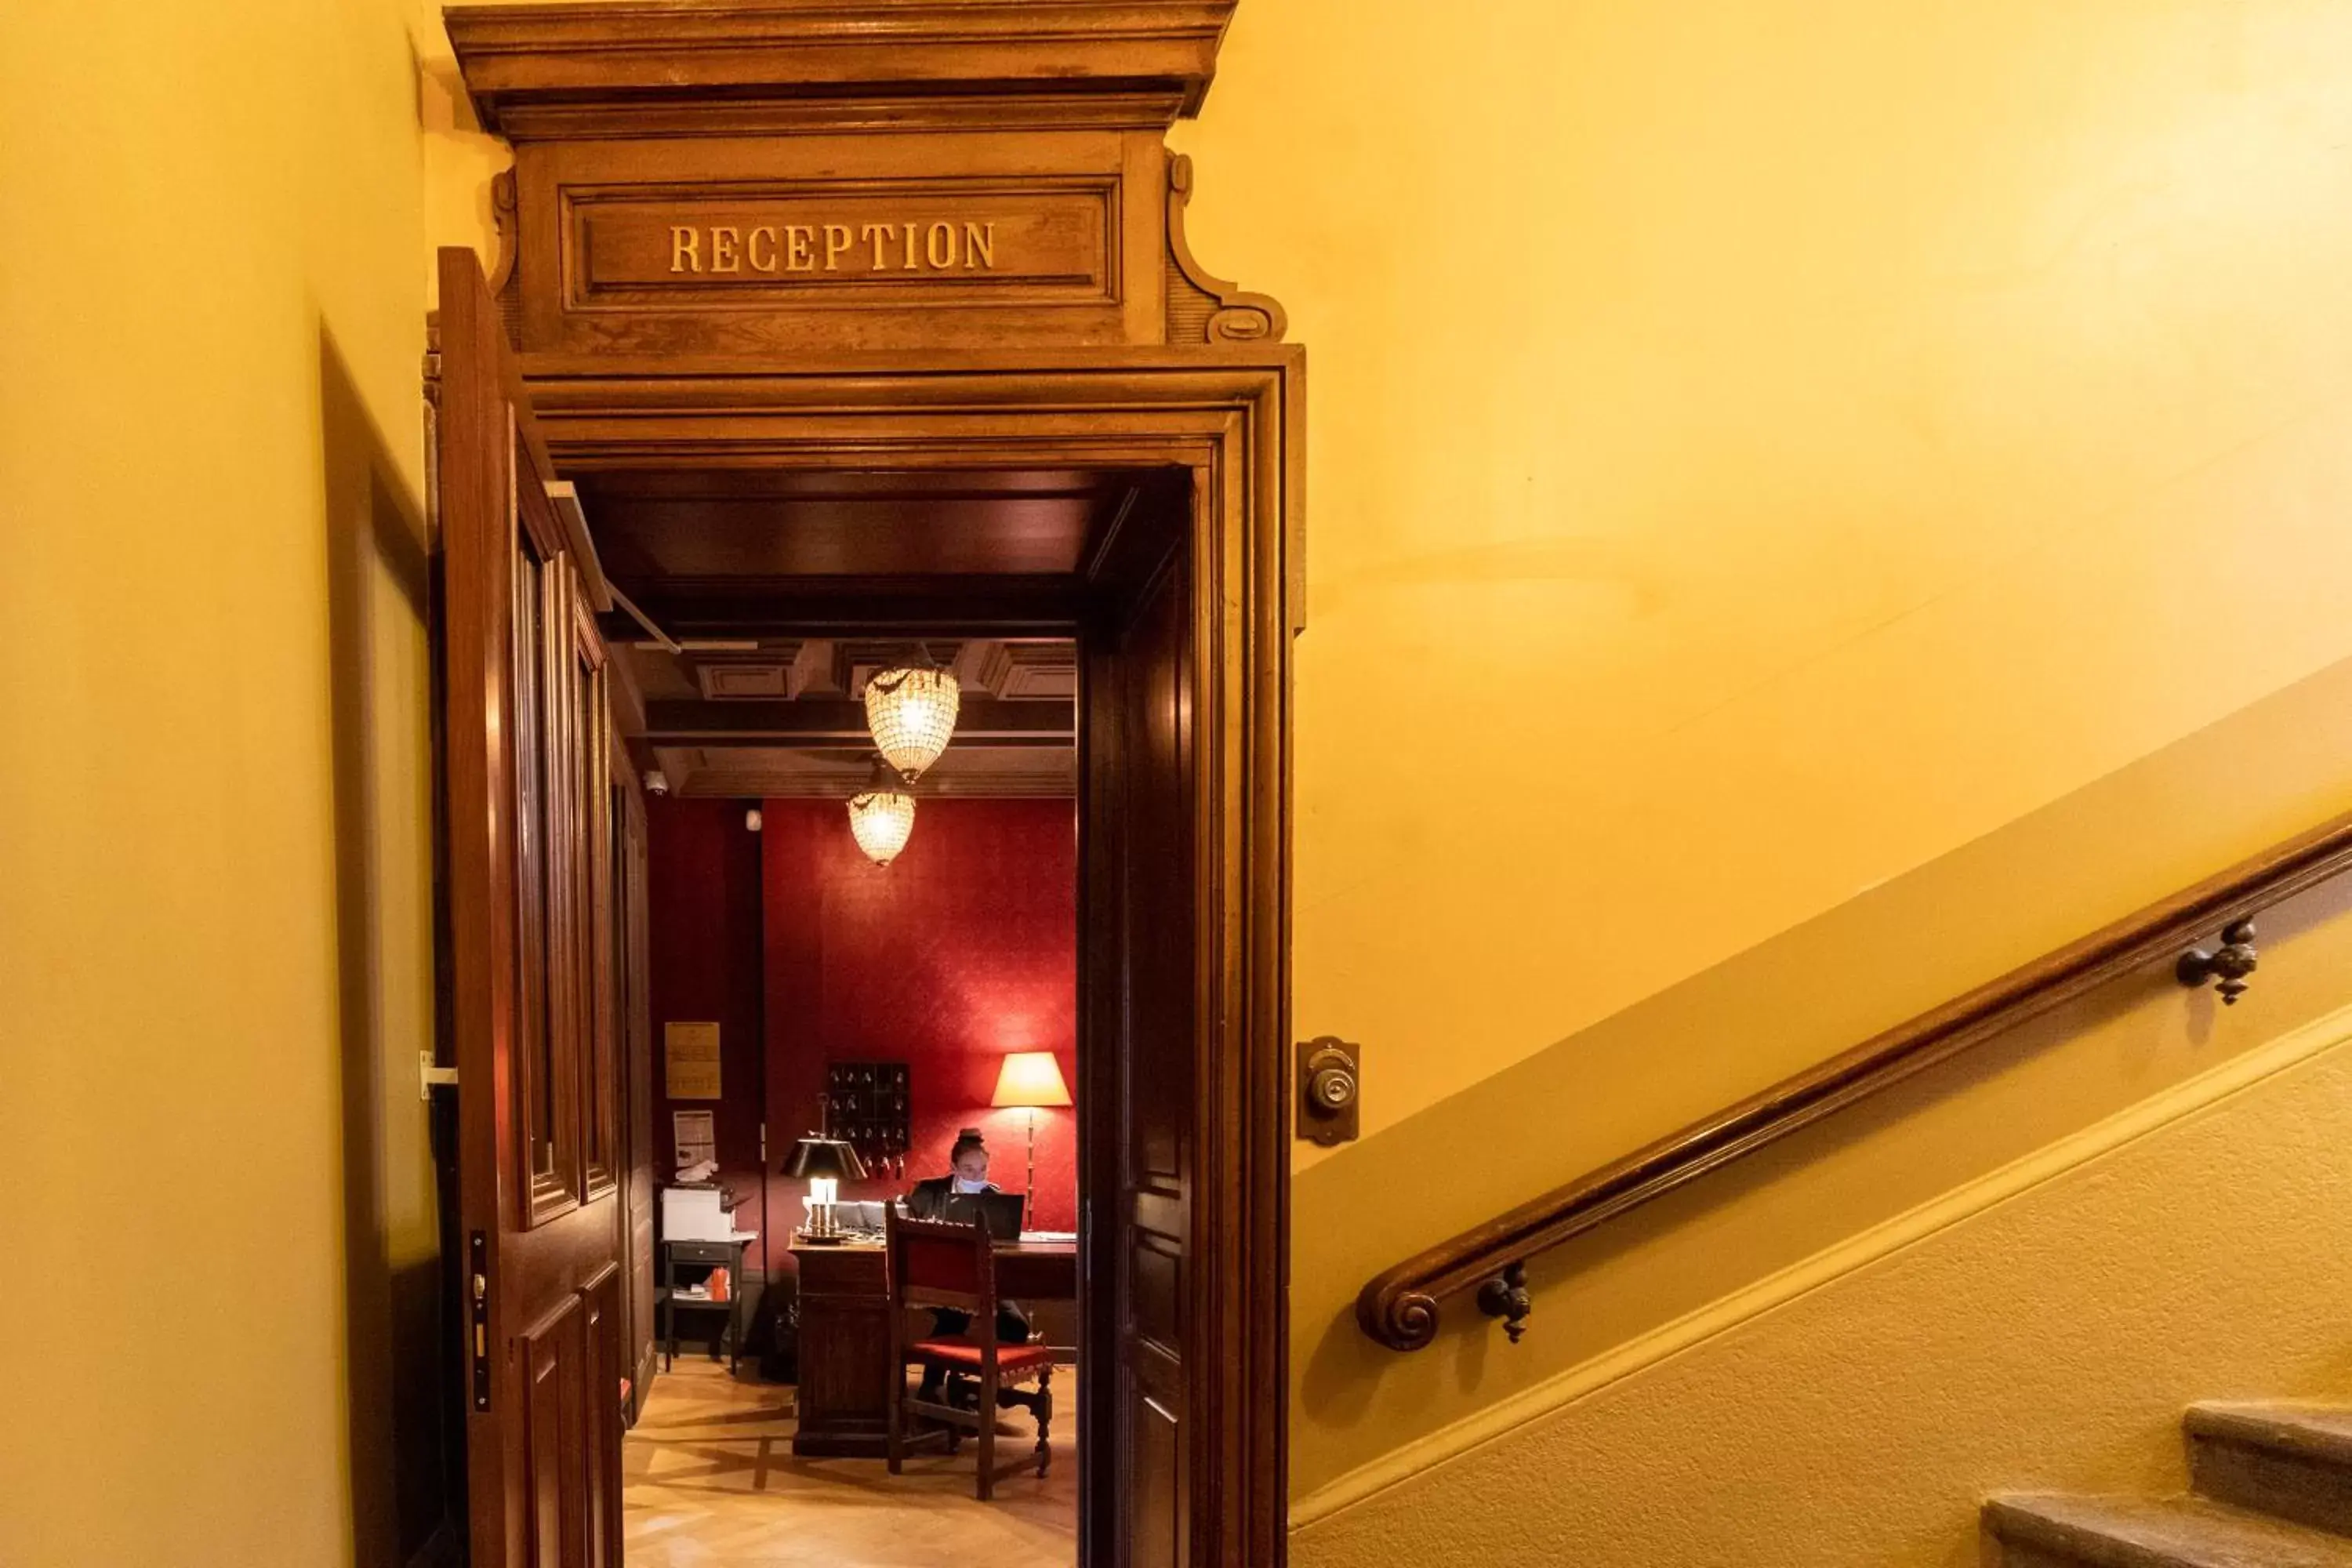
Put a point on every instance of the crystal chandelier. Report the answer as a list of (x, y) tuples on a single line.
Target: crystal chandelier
[(882, 814), (911, 711)]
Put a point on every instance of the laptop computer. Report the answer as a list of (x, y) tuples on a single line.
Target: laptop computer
[(1000, 1213)]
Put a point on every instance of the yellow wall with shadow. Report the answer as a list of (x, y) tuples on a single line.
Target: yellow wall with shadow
[(1791, 487), (215, 958), (1646, 1288), (2042, 1328)]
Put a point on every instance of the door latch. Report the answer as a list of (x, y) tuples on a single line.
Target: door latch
[(1329, 1072), (478, 1315)]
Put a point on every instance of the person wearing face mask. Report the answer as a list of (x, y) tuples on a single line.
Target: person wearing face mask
[(967, 1172)]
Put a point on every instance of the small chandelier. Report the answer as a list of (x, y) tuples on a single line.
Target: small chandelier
[(882, 814), (911, 710)]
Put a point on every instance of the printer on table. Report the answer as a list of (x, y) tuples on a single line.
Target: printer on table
[(698, 1214)]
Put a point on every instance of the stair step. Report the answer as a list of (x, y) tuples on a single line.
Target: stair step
[(2293, 1460), (2055, 1532)]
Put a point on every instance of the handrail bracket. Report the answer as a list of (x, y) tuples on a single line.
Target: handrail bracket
[(1505, 1297)]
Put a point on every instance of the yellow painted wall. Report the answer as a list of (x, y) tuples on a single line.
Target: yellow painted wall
[(215, 1201), (1784, 439), (1629, 1292), (1763, 453), (1787, 442), (2046, 1342)]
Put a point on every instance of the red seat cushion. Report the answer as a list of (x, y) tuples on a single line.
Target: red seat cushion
[(966, 1353)]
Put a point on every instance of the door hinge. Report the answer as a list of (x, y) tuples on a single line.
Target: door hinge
[(430, 1078)]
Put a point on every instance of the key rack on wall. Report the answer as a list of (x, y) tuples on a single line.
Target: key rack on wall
[(866, 1105)]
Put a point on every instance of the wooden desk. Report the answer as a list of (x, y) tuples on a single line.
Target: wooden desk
[(844, 1335)]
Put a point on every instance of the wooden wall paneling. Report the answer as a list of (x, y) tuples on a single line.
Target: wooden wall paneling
[(692, 189), (719, 180), (805, 243), (1226, 416)]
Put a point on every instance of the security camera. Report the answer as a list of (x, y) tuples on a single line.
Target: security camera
[(656, 782)]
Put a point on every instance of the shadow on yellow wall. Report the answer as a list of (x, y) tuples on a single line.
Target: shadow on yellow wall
[(407, 1461), (1781, 1006), (1901, 948)]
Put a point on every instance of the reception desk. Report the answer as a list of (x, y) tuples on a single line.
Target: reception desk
[(844, 1335)]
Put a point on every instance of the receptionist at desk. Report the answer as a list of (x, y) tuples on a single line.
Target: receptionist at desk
[(967, 1174), (932, 1198)]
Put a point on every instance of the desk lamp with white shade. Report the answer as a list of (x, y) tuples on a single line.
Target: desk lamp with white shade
[(1030, 1081)]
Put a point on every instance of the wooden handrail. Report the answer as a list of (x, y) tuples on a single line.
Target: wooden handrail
[(1400, 1308)]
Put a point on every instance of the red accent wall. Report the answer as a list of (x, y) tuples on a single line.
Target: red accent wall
[(703, 905), (961, 950)]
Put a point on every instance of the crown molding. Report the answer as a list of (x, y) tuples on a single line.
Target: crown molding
[(742, 66)]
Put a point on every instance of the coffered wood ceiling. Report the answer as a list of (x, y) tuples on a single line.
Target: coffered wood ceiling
[(787, 717), (779, 592)]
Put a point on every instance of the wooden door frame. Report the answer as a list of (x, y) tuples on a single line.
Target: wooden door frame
[(1231, 415)]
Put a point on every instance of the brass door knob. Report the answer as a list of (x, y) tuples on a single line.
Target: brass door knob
[(1328, 1083), (1332, 1088)]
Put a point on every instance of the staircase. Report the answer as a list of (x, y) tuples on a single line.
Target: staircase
[(2272, 1489)]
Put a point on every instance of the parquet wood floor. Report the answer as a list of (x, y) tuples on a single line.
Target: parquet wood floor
[(710, 1482)]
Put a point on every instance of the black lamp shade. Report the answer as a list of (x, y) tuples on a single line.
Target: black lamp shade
[(817, 1158)]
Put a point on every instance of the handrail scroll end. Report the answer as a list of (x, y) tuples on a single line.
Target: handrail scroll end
[(1398, 1316)]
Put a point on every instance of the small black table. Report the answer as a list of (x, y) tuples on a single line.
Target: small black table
[(703, 1255)]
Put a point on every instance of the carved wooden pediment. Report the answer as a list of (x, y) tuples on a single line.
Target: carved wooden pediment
[(772, 177)]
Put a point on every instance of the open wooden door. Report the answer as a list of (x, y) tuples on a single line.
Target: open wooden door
[(529, 905), (633, 966), (1141, 1072)]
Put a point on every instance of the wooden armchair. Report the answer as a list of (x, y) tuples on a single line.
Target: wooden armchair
[(936, 1263)]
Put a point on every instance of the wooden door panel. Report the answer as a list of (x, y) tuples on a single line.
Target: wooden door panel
[(1155, 1311), (536, 664), (635, 1011), (589, 882), (1144, 1019), (601, 1303), (1158, 1538), (521, 704), (556, 1441)]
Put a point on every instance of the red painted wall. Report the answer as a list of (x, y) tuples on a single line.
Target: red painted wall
[(703, 906), (963, 948)]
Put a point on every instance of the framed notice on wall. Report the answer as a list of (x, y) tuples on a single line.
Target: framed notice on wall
[(690, 1060), (695, 1136)]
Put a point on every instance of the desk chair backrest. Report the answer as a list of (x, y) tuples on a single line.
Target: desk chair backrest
[(940, 1263)]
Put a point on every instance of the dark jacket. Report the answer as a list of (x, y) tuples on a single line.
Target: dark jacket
[(928, 1200)]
